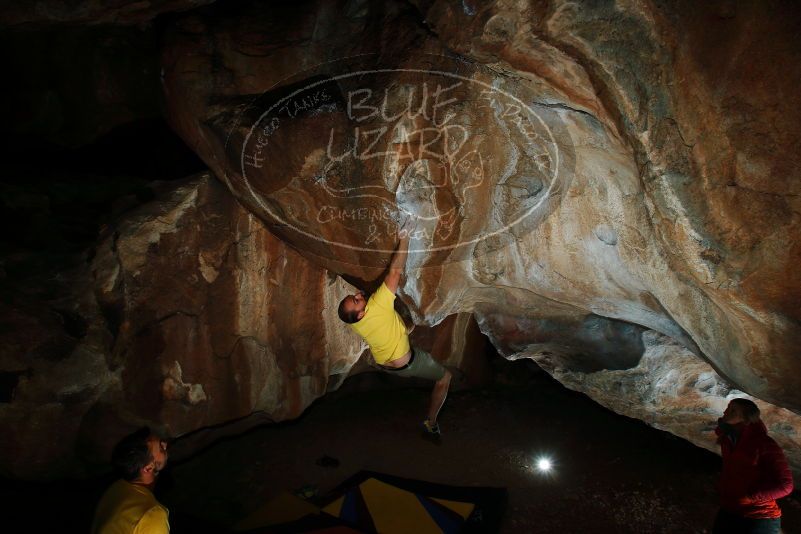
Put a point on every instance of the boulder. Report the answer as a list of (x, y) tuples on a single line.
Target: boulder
[(674, 391), (190, 314), (576, 176)]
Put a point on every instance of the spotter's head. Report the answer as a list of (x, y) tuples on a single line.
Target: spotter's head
[(741, 411), (140, 457)]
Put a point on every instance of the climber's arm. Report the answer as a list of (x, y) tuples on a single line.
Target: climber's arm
[(398, 263)]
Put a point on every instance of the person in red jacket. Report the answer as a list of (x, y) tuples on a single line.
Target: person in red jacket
[(755, 473)]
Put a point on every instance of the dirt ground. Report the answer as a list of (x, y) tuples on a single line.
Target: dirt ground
[(612, 474)]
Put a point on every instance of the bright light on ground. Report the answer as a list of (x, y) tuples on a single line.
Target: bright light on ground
[(544, 464)]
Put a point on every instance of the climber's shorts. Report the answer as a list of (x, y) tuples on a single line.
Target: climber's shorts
[(421, 365)]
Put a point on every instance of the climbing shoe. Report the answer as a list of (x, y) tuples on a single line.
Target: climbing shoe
[(431, 432)]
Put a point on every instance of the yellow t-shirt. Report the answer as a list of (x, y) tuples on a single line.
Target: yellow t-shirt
[(382, 328), (128, 508)]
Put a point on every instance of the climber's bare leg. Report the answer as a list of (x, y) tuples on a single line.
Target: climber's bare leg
[(438, 395)]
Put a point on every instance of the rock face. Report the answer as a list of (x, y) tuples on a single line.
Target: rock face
[(191, 315), (722, 197), (73, 84), (43, 13), (575, 176), (217, 318), (672, 390)]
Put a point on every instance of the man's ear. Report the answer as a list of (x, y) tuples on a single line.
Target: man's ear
[(359, 317)]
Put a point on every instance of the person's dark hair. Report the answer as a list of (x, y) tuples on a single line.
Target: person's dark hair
[(131, 454), (349, 316), (748, 409)]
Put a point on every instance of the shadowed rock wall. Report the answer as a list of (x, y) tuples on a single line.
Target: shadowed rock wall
[(190, 315)]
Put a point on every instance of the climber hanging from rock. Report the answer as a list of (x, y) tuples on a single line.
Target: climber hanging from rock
[(377, 322)]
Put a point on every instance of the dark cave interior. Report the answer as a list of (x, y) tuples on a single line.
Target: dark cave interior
[(147, 280)]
